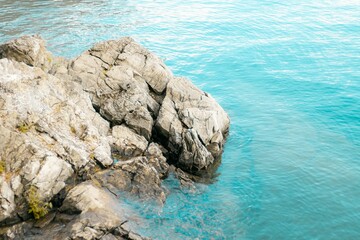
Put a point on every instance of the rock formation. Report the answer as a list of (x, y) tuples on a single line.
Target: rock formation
[(76, 134)]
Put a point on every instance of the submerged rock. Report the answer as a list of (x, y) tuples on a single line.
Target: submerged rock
[(63, 122)]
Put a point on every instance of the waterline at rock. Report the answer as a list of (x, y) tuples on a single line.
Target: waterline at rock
[(114, 118)]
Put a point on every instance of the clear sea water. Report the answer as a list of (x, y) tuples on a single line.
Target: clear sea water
[(288, 74)]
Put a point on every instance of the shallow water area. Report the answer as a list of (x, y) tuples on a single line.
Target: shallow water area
[(288, 75)]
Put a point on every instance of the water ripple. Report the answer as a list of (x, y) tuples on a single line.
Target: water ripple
[(288, 75)]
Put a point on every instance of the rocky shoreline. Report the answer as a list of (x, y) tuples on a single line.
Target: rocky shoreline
[(76, 134)]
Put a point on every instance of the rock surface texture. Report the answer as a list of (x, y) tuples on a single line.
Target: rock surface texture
[(76, 134)]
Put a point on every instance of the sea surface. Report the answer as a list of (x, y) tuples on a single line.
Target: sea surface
[(288, 74)]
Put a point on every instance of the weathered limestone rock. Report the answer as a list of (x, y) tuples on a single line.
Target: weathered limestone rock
[(87, 197), (120, 77), (48, 130), (137, 176), (31, 50), (193, 123), (88, 213), (50, 134), (186, 180), (101, 216), (126, 83), (157, 160), (127, 143), (194, 154), (7, 200), (28, 49), (141, 176)]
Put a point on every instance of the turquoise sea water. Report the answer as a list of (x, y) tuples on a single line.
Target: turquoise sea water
[(288, 74)]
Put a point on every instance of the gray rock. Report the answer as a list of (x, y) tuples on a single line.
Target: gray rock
[(109, 237), (28, 49), (48, 131), (137, 176), (97, 212), (15, 232), (86, 197), (7, 200), (193, 123), (194, 154), (121, 78), (127, 143), (187, 180), (157, 160), (101, 213), (126, 52), (126, 83), (31, 50)]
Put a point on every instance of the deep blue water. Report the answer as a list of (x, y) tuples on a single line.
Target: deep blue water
[(288, 74)]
